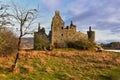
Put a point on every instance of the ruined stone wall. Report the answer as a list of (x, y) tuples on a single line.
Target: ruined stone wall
[(41, 41), (70, 35), (61, 34)]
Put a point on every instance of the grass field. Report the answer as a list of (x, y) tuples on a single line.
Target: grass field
[(63, 64)]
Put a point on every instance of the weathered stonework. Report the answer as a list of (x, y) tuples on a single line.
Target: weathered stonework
[(60, 35)]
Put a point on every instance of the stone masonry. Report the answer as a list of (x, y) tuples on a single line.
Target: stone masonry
[(61, 34)]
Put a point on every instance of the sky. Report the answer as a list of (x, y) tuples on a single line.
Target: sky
[(102, 15)]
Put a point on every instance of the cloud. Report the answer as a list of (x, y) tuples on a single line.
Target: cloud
[(106, 36), (102, 15), (51, 4)]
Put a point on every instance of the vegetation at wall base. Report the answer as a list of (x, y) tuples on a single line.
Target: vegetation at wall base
[(82, 45)]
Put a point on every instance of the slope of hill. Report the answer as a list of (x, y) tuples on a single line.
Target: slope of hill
[(62, 65)]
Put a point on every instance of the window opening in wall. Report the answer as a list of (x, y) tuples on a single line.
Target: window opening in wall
[(61, 34)]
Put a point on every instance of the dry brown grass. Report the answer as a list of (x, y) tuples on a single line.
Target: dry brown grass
[(28, 68), (82, 62), (48, 69), (3, 76), (90, 57)]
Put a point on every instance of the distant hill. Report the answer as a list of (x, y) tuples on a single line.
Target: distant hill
[(27, 43), (112, 45)]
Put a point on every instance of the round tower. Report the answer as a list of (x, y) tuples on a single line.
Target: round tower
[(39, 28), (91, 34)]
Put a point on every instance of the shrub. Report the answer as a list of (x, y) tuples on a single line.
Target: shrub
[(81, 44), (8, 42)]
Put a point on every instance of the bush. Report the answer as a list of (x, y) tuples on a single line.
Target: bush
[(8, 42), (82, 45)]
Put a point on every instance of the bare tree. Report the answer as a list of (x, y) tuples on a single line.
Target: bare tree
[(24, 18), (4, 15)]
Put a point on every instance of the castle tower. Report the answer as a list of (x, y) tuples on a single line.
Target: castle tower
[(39, 28), (91, 34), (57, 21), (57, 28)]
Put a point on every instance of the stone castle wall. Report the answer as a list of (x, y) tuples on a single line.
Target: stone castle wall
[(60, 35)]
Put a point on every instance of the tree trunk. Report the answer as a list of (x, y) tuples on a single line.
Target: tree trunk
[(17, 55)]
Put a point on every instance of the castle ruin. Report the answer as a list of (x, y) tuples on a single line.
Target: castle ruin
[(61, 34)]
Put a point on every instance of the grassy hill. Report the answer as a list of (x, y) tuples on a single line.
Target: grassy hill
[(62, 65)]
